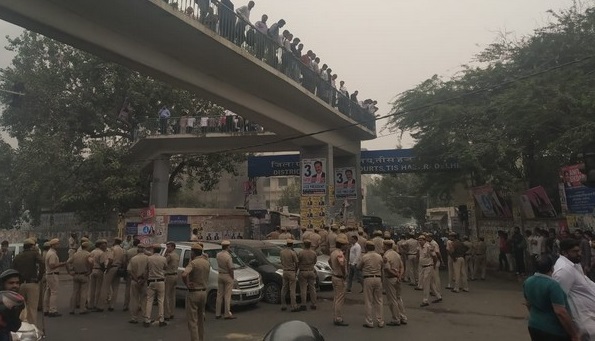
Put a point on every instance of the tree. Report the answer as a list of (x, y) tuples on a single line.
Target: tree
[(291, 197), (516, 118), (9, 205), (73, 143)]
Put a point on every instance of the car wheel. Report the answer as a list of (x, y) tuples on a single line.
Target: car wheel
[(212, 300), (272, 293)]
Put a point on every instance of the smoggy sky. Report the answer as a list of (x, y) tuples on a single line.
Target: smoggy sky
[(384, 47)]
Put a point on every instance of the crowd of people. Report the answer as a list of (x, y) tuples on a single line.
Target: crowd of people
[(379, 264), (519, 251), (201, 123), (282, 50)]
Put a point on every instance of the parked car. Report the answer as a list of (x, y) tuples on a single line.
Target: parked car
[(249, 287), (323, 269)]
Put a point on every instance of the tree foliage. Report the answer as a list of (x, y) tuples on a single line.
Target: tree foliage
[(519, 112), (72, 147), (290, 197)]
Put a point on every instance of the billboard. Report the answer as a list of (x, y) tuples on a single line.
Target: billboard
[(492, 203), (579, 199), (314, 176), (345, 183)]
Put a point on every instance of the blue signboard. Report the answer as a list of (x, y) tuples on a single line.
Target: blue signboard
[(372, 162), (131, 228), (178, 219), (580, 200)]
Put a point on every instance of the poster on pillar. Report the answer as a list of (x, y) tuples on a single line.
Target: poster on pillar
[(345, 183), (312, 211), (314, 176)]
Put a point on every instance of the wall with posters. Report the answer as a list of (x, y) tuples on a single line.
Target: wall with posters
[(212, 224)]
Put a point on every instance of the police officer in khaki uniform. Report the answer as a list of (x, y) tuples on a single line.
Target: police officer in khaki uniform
[(274, 234), (52, 270), (324, 247), (338, 264), (393, 272), (427, 260), (342, 232), (129, 254), (480, 259), (436, 249), (332, 238), (412, 255), (289, 263), (305, 233), (111, 281), (371, 266), (137, 270), (377, 240), (449, 251), (307, 275), (284, 234), (171, 277), (156, 265), (314, 239), (28, 263), (79, 266), (196, 277), (225, 282), (99, 257), (43, 283), (361, 240)]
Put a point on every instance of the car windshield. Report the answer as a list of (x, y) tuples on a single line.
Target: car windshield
[(272, 254), (237, 263)]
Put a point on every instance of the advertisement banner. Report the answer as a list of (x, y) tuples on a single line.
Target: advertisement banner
[(539, 201), (314, 176), (579, 199), (345, 183), (313, 211), (491, 203)]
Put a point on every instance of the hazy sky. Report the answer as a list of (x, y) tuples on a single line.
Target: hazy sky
[(384, 47)]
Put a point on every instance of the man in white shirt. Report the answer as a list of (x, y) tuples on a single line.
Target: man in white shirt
[(580, 289), (355, 253), (190, 124), (244, 11), (260, 39)]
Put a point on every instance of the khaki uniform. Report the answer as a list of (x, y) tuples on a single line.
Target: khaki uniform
[(198, 276), (42, 282), (361, 240), (225, 283), (460, 270), (111, 281), (324, 246), (129, 254), (378, 245), (289, 262), (306, 235), (307, 276), (392, 286), (412, 262), (338, 263), (436, 275), (285, 236), (99, 258), (371, 266), (72, 246), (53, 282), (480, 260), (156, 265), (80, 267), (332, 244), (426, 263), (273, 235), (315, 242), (171, 278), (137, 271), (27, 264)]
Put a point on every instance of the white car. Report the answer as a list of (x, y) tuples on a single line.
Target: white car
[(323, 269), (248, 290)]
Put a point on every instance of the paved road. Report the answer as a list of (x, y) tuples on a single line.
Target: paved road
[(493, 310)]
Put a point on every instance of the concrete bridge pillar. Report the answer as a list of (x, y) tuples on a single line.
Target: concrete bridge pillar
[(160, 182)]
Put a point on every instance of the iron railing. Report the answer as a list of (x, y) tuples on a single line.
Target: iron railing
[(200, 126), (276, 52)]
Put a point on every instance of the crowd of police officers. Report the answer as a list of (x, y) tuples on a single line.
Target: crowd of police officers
[(377, 262), (380, 265)]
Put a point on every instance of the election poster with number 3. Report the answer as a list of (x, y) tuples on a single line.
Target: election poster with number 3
[(314, 176), (345, 183)]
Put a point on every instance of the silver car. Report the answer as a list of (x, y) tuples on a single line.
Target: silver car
[(323, 269), (247, 291)]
